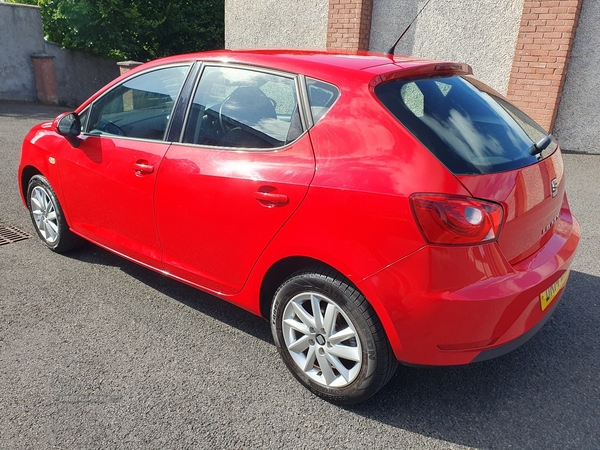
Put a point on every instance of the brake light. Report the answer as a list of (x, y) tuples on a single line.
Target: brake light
[(452, 220)]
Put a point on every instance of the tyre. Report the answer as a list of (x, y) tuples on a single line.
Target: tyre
[(47, 216), (330, 337)]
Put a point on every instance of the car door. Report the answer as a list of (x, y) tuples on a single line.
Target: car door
[(109, 178), (243, 167)]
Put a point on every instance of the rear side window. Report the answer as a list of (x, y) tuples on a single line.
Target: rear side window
[(243, 108), (321, 97), (464, 124)]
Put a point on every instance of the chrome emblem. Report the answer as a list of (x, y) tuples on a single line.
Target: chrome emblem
[(554, 187), (547, 227)]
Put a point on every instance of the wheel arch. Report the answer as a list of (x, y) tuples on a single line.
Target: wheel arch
[(282, 269), (278, 273), (27, 173)]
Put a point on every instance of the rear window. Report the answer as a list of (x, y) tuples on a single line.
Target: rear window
[(469, 128)]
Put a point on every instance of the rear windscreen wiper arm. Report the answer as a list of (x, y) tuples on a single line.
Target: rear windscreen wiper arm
[(540, 145)]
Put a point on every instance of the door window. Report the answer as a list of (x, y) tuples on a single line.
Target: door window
[(140, 107), (243, 108)]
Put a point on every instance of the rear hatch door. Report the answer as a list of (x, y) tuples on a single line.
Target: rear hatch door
[(492, 147), (531, 198)]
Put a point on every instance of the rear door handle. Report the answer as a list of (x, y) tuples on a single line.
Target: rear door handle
[(270, 199), (142, 167)]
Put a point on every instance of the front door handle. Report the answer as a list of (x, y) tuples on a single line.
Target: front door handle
[(271, 199), (142, 167)]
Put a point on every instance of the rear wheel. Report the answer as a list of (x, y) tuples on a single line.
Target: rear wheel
[(330, 337), (47, 216)]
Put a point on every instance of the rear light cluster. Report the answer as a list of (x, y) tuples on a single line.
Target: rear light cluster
[(452, 220)]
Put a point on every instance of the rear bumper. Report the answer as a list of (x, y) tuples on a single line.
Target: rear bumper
[(457, 305)]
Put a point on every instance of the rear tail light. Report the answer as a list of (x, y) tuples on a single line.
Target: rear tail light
[(451, 220)]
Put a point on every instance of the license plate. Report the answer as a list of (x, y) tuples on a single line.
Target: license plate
[(549, 294)]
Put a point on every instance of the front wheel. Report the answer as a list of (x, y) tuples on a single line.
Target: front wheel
[(330, 337), (47, 216)]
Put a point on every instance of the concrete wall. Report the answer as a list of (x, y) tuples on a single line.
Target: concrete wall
[(578, 123), (20, 36), (78, 75), (276, 23), (482, 34)]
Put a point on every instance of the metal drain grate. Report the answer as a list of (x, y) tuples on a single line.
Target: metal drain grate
[(8, 235)]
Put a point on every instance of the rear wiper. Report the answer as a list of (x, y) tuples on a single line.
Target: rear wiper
[(540, 145)]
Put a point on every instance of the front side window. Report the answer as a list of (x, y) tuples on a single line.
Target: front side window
[(243, 108), (468, 127), (140, 107)]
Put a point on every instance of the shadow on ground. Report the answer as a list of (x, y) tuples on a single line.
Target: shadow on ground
[(543, 395), (187, 295)]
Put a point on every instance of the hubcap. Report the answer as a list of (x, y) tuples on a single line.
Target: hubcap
[(322, 340), (44, 214)]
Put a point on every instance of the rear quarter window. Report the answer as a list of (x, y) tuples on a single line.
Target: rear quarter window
[(321, 97), (465, 124)]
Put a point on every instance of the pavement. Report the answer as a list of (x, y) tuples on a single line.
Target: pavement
[(97, 352)]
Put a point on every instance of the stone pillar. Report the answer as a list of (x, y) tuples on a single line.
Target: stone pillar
[(45, 79), (349, 24), (544, 43), (126, 66)]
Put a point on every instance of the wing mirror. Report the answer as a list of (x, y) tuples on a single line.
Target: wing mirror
[(68, 125)]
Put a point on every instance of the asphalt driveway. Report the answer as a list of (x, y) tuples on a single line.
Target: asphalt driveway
[(96, 352)]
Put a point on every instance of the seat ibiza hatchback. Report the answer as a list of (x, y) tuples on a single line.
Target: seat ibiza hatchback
[(374, 209)]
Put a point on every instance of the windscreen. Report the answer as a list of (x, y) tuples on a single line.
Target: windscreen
[(464, 124)]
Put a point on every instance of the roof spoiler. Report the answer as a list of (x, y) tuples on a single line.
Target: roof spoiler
[(432, 69)]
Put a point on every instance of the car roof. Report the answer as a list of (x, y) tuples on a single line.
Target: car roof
[(345, 69), (326, 65)]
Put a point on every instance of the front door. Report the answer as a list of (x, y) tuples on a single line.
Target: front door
[(115, 165)]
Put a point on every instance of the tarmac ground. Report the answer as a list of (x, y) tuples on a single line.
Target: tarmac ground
[(97, 352)]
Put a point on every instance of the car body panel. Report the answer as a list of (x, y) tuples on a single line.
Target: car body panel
[(200, 216), (449, 304), (113, 203), (530, 203), (213, 227)]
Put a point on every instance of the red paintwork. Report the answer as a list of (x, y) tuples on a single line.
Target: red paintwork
[(103, 173), (219, 220), (212, 226)]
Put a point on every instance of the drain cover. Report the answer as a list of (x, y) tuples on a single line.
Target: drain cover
[(8, 235)]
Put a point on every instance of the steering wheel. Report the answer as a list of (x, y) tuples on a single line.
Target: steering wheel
[(221, 121), (111, 128)]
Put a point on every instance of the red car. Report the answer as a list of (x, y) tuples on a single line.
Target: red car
[(374, 208)]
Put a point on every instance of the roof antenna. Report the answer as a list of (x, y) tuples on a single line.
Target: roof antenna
[(391, 50)]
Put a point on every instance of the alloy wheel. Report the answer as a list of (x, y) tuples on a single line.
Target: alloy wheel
[(44, 214), (322, 340)]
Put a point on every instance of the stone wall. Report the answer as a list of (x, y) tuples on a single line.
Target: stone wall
[(276, 23), (482, 34), (578, 122), (78, 75), (20, 36)]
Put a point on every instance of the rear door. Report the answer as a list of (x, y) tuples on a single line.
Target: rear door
[(243, 168)]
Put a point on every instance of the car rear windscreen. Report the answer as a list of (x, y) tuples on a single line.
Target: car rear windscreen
[(469, 128)]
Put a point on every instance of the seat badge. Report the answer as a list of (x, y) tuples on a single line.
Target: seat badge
[(554, 187)]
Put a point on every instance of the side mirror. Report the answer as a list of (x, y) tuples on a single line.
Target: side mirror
[(67, 124)]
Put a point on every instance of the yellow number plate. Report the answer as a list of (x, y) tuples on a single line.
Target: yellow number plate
[(549, 294)]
